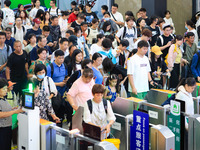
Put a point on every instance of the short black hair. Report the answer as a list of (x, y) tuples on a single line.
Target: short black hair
[(190, 81), (73, 3), (95, 56), (100, 36), (143, 10), (106, 13), (76, 9), (95, 20), (81, 15), (70, 32), (2, 34), (152, 19), (8, 29), (39, 38), (88, 4), (31, 35), (54, 1), (85, 62), (83, 23), (62, 40), (124, 42), (46, 28), (54, 17), (19, 5), (190, 23), (107, 43), (189, 34), (143, 43), (7, 3), (59, 53), (40, 67), (104, 7), (88, 72), (3, 82), (40, 50), (71, 47), (130, 18), (129, 13), (107, 65), (65, 13), (111, 37), (115, 5), (167, 11)]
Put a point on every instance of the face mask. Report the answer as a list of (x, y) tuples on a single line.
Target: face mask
[(41, 76), (107, 19), (186, 27)]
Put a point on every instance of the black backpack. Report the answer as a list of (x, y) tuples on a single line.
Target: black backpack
[(56, 10), (89, 102)]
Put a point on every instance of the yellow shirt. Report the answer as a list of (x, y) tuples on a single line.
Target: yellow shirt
[(179, 55)]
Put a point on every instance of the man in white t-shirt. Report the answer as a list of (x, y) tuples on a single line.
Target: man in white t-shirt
[(128, 32), (138, 70), (54, 11), (19, 31), (117, 16), (146, 35), (33, 12), (97, 46)]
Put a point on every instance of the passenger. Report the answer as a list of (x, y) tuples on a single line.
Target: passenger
[(174, 60), (116, 16), (99, 114), (63, 22), (90, 15), (142, 24), (9, 40), (31, 43), (96, 62), (68, 57), (112, 88), (6, 113), (138, 70), (169, 20), (80, 91), (185, 94)]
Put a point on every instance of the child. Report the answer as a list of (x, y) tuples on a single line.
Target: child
[(31, 43), (138, 70), (11, 96), (169, 20), (112, 88)]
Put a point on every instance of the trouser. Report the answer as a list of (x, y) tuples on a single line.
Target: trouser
[(186, 71), (175, 74), (19, 86), (139, 95), (5, 138)]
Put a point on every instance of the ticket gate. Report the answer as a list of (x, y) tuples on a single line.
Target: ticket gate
[(194, 132), (162, 138)]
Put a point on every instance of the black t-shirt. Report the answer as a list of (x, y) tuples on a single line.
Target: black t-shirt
[(90, 17), (67, 60), (16, 63), (155, 34), (75, 24), (165, 41)]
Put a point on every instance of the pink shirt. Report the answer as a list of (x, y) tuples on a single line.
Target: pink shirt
[(81, 91)]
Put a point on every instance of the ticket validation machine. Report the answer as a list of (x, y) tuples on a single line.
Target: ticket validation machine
[(29, 124)]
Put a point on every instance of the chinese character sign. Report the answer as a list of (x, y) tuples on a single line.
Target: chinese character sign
[(139, 131)]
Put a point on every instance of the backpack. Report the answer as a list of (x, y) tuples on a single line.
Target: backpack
[(9, 18), (166, 57), (56, 11), (52, 68), (109, 55), (89, 103), (169, 99), (15, 30), (124, 33), (162, 40)]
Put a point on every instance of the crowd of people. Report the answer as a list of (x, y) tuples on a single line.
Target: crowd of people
[(74, 59)]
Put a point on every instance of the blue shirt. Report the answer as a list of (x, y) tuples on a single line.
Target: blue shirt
[(33, 53), (97, 76), (10, 42), (59, 74), (195, 66), (29, 31)]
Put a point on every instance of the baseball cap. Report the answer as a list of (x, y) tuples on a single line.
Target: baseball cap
[(165, 25), (10, 83), (73, 39), (36, 20), (156, 50)]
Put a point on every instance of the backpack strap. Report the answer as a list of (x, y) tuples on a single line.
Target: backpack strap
[(52, 69), (88, 32), (184, 48), (49, 10), (124, 33), (161, 40), (15, 30), (7, 46), (57, 11), (89, 102)]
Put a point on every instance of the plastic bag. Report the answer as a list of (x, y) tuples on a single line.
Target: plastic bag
[(123, 92)]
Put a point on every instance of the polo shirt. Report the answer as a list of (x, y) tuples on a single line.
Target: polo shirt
[(4, 55), (59, 74), (5, 107)]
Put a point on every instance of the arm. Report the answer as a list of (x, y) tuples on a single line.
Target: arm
[(2, 66), (194, 66), (130, 78), (170, 57), (10, 113), (71, 102), (117, 38), (7, 73)]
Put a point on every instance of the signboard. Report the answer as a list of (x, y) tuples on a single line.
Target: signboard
[(174, 122), (139, 138)]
